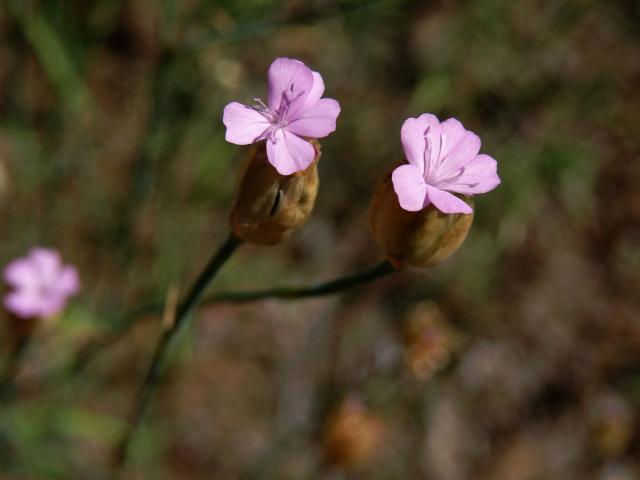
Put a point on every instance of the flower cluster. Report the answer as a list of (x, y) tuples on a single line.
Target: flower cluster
[(419, 215), (444, 170)]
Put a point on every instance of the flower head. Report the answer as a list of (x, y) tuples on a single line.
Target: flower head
[(42, 284), (443, 158), (294, 112)]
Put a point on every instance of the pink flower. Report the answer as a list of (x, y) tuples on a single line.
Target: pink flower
[(42, 284), (443, 157), (295, 112)]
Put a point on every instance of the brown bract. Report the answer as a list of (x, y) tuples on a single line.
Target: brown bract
[(268, 206), (414, 239)]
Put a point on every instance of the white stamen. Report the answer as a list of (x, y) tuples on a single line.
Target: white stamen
[(262, 109)]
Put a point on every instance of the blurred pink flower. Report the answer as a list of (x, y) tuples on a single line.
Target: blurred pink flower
[(295, 112), (42, 284), (443, 157)]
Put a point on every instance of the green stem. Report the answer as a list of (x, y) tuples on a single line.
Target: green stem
[(84, 356), (90, 350), (291, 293), (168, 341)]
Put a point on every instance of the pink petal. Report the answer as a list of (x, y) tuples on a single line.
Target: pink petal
[(413, 134), (68, 283), (410, 187), (446, 202), (29, 304), (48, 263), (244, 124), (318, 121), (459, 147), (317, 89), (20, 273), (52, 304), (23, 304), (291, 81), (289, 153), (479, 176)]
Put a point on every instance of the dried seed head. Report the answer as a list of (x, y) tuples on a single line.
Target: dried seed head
[(353, 435), (414, 239), (268, 205)]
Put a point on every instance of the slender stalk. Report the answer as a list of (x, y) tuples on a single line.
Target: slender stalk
[(91, 349), (168, 341), (86, 353), (292, 293)]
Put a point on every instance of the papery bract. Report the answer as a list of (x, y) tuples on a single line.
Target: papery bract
[(443, 158), (41, 283), (269, 206), (295, 112), (416, 239)]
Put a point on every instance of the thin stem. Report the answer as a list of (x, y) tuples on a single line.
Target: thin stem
[(168, 341), (292, 293), (91, 349), (86, 353)]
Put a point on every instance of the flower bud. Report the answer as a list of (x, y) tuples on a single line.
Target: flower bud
[(414, 239), (268, 205)]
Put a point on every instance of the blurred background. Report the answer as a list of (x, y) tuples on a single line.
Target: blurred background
[(519, 358)]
